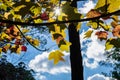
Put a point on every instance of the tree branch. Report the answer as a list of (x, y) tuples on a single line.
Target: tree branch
[(29, 41), (57, 22)]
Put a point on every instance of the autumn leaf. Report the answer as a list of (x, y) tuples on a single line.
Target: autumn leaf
[(56, 56), (36, 42), (0, 50), (38, 21), (58, 32), (92, 13), (23, 48), (108, 44), (116, 31), (7, 46), (102, 35), (18, 51), (54, 1), (88, 34), (35, 10), (114, 6), (93, 24), (65, 47), (27, 0), (78, 26), (18, 7), (25, 31)]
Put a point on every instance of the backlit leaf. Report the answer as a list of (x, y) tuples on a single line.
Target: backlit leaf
[(25, 30), (65, 47), (108, 44), (18, 51), (36, 42), (35, 10), (56, 56), (88, 34), (0, 50), (78, 26), (18, 7), (92, 24), (54, 1), (114, 6), (38, 21)]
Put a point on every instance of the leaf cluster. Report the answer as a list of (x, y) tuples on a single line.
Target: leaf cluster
[(10, 72)]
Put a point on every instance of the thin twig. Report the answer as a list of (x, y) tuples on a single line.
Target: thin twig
[(29, 41)]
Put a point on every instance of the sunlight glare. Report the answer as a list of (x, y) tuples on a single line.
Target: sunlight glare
[(57, 11)]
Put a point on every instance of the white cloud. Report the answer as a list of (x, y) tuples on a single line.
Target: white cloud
[(41, 64), (95, 50), (99, 77), (92, 65), (87, 7), (38, 76)]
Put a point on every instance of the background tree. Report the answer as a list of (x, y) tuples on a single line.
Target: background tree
[(10, 72), (15, 23)]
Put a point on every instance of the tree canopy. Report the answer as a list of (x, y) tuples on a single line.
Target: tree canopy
[(10, 72), (18, 17)]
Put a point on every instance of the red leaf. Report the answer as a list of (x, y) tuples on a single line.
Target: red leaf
[(44, 16), (24, 48)]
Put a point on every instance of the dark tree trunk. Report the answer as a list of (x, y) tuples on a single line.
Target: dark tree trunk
[(75, 54)]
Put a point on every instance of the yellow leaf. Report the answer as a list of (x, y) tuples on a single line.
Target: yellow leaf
[(114, 6), (78, 26), (36, 42), (88, 34), (7, 46), (7, 14), (65, 47), (93, 25), (60, 17), (18, 51), (4, 36), (27, 0), (25, 30), (105, 27), (19, 7), (115, 18), (100, 3), (17, 16), (56, 56), (38, 21), (54, 1), (0, 50), (35, 10), (108, 44), (58, 31), (3, 6)]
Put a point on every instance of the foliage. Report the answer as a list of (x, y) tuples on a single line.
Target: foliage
[(10, 72), (14, 37), (113, 59)]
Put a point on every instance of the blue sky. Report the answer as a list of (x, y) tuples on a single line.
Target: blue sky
[(92, 51)]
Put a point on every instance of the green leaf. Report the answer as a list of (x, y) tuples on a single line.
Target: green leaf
[(108, 44), (70, 12), (93, 24), (88, 34)]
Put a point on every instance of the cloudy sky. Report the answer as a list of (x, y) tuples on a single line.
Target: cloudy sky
[(92, 51)]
